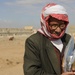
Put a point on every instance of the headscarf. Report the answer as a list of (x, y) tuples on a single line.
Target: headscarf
[(56, 11)]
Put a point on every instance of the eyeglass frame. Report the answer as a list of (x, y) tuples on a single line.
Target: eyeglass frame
[(58, 25)]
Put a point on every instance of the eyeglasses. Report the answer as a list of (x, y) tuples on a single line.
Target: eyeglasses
[(55, 26)]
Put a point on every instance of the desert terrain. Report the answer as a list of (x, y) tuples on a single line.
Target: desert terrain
[(11, 55)]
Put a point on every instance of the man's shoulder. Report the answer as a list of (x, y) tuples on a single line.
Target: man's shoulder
[(36, 37), (66, 37)]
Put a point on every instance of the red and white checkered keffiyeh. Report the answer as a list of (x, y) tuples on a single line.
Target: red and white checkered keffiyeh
[(56, 11)]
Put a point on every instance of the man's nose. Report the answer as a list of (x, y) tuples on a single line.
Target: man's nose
[(58, 29)]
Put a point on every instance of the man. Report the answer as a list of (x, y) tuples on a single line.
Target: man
[(45, 49)]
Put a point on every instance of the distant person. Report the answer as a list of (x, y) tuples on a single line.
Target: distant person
[(45, 50)]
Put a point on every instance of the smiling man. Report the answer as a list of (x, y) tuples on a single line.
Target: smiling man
[(45, 50)]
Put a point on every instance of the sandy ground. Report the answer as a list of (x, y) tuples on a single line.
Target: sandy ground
[(11, 55)]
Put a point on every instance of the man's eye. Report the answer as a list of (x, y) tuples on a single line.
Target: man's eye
[(61, 25)]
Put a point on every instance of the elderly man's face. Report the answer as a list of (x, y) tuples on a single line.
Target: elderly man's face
[(56, 26)]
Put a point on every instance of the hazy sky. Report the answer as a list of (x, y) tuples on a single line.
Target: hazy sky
[(20, 13)]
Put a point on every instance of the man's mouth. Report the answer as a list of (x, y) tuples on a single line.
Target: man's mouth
[(57, 33)]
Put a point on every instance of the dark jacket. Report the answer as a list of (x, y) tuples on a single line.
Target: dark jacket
[(40, 57)]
